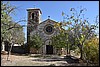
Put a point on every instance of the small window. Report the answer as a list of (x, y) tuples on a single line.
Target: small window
[(32, 15)]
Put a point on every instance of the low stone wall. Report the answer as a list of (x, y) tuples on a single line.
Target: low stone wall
[(18, 49)]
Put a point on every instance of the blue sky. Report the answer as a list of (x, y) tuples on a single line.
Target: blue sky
[(54, 9)]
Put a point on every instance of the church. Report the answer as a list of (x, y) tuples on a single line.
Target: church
[(44, 28)]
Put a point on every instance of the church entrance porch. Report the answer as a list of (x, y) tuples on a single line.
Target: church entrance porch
[(49, 49)]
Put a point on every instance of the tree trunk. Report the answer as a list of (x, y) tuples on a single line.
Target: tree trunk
[(67, 49), (3, 46), (81, 50), (9, 52)]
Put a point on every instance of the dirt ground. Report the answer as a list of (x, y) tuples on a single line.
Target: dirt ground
[(16, 60), (31, 60)]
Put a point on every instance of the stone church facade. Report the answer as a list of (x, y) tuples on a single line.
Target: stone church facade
[(44, 28)]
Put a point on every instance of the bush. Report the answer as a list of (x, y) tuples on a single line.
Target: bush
[(91, 50)]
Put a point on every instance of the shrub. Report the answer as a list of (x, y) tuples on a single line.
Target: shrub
[(91, 50)]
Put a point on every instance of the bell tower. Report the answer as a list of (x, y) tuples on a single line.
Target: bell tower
[(33, 19), (34, 15)]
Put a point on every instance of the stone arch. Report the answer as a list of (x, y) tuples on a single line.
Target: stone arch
[(48, 42), (47, 47)]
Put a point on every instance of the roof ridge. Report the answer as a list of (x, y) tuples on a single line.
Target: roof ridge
[(47, 20)]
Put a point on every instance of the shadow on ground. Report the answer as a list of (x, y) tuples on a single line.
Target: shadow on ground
[(71, 59), (19, 54), (68, 59)]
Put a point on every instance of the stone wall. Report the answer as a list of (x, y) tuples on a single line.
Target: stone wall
[(18, 49)]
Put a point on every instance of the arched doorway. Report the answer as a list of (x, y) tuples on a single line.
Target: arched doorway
[(48, 47)]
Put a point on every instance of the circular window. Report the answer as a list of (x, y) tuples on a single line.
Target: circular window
[(48, 29)]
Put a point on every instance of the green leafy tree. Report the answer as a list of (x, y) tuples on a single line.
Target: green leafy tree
[(35, 42), (79, 27), (9, 28), (59, 42), (91, 50), (18, 35), (7, 23)]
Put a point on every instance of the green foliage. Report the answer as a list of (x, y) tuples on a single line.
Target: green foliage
[(5, 21), (80, 28), (18, 35), (35, 41), (91, 50), (10, 29), (58, 41), (79, 25)]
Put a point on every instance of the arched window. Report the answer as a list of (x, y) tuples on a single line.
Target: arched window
[(32, 15)]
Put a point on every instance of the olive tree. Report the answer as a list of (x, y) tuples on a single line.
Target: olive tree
[(9, 28)]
